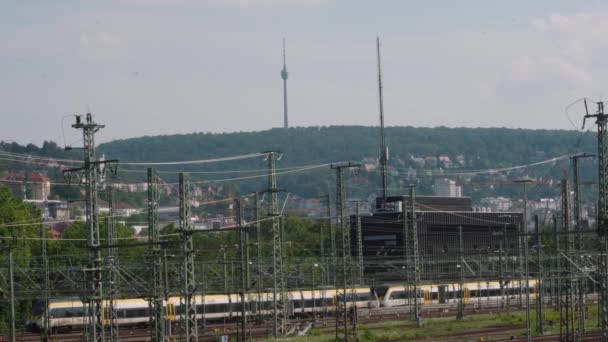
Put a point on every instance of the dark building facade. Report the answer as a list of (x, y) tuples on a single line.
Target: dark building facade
[(490, 240)]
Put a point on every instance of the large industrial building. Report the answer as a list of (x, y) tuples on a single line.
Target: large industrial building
[(490, 240)]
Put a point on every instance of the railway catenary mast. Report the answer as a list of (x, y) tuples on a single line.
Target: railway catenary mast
[(90, 172), (158, 311), (601, 120), (346, 316), (383, 147), (187, 298)]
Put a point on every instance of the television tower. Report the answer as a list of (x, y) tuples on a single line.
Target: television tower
[(284, 76)]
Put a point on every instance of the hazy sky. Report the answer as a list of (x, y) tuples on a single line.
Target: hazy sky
[(148, 67)]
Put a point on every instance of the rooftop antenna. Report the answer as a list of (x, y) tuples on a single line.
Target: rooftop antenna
[(284, 76), (383, 147)]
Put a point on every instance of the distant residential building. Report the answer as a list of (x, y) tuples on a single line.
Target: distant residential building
[(369, 164), (447, 188), (430, 161), (38, 183), (445, 160), (497, 204), (461, 160), (51, 209), (418, 162)]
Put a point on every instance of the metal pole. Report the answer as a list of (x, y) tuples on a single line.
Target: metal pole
[(460, 314), (12, 336), (407, 267), (258, 260), (157, 316), (332, 238), (415, 255), (189, 282), (243, 257), (46, 332), (540, 281), (602, 219), (360, 267), (111, 269), (527, 290), (279, 296), (501, 271), (346, 323)]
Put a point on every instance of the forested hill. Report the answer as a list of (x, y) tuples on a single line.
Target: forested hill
[(474, 148), (467, 149), (485, 147)]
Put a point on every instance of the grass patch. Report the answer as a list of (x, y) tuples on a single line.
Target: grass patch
[(405, 330)]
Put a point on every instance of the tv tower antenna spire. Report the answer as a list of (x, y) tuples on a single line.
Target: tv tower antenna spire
[(284, 75), (383, 147)]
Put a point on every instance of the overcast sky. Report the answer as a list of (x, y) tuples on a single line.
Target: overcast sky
[(149, 67)]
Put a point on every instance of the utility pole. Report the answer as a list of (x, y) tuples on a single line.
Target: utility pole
[(346, 320), (89, 173), (46, 283), (360, 268), (407, 264), (415, 255), (557, 273), (157, 316), (523, 229), (540, 280), (501, 269), (258, 252), (571, 305), (383, 147), (112, 276), (460, 314), (527, 291), (244, 266), (225, 269), (602, 210), (279, 295), (581, 291), (284, 75), (322, 244), (189, 283), (11, 278), (332, 240)]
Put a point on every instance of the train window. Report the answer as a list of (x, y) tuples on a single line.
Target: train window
[(397, 295), (136, 312), (67, 312), (362, 297)]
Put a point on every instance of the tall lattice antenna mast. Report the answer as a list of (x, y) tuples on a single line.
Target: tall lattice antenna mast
[(284, 75), (383, 148)]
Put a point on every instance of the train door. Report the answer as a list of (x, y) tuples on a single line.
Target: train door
[(106, 315), (427, 296), (170, 312)]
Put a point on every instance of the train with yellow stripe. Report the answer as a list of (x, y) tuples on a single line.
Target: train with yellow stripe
[(70, 314), (399, 295), (65, 315)]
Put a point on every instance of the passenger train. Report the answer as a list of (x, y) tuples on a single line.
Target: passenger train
[(71, 313)]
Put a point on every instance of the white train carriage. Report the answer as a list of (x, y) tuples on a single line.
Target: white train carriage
[(399, 295), (68, 314)]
